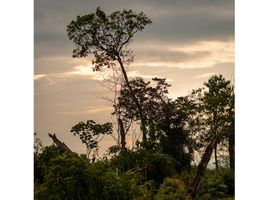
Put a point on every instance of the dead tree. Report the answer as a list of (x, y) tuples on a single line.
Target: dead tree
[(60, 144)]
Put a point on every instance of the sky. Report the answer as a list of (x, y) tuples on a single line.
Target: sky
[(187, 42)]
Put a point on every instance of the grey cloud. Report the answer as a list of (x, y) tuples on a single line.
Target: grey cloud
[(173, 21), (182, 76), (167, 56)]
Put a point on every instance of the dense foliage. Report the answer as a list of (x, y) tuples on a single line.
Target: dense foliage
[(132, 175)]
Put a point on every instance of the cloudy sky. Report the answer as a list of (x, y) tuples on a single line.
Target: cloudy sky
[(188, 41)]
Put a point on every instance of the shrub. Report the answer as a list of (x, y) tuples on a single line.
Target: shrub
[(151, 165), (213, 186), (125, 161), (42, 162), (156, 166), (229, 180), (148, 191), (107, 183), (67, 178), (172, 189)]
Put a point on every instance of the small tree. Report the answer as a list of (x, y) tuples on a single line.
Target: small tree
[(91, 133), (107, 37)]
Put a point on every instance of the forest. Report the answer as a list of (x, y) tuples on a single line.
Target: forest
[(185, 148)]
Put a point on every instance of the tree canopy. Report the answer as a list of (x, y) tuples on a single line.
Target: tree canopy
[(106, 36)]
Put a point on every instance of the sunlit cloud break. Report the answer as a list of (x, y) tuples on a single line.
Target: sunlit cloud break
[(39, 76), (89, 109), (205, 75), (86, 70), (83, 70), (204, 54), (134, 74)]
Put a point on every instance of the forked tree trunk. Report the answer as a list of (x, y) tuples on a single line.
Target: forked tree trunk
[(202, 168)]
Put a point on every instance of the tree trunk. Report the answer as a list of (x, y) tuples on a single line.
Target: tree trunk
[(216, 158), (231, 148), (202, 168), (122, 134), (143, 126), (231, 135)]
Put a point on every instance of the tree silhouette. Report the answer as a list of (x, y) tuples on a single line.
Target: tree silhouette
[(216, 112), (107, 37), (91, 133)]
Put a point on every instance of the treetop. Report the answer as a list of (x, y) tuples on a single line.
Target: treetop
[(106, 36)]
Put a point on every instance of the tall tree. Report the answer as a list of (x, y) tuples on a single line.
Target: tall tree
[(216, 114), (217, 105), (107, 37)]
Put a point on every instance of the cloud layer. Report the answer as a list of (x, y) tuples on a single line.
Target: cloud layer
[(188, 41)]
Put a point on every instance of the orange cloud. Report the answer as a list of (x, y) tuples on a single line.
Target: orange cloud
[(90, 109), (39, 76)]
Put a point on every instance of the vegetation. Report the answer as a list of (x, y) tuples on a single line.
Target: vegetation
[(161, 165)]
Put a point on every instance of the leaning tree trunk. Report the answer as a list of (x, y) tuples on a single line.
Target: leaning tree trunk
[(142, 118), (60, 144), (202, 168)]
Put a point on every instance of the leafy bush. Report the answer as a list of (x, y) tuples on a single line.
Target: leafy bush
[(42, 162), (67, 178), (125, 161), (187, 177), (213, 186), (151, 165), (157, 166), (72, 177), (106, 184), (148, 190), (229, 180), (172, 189), (138, 175)]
